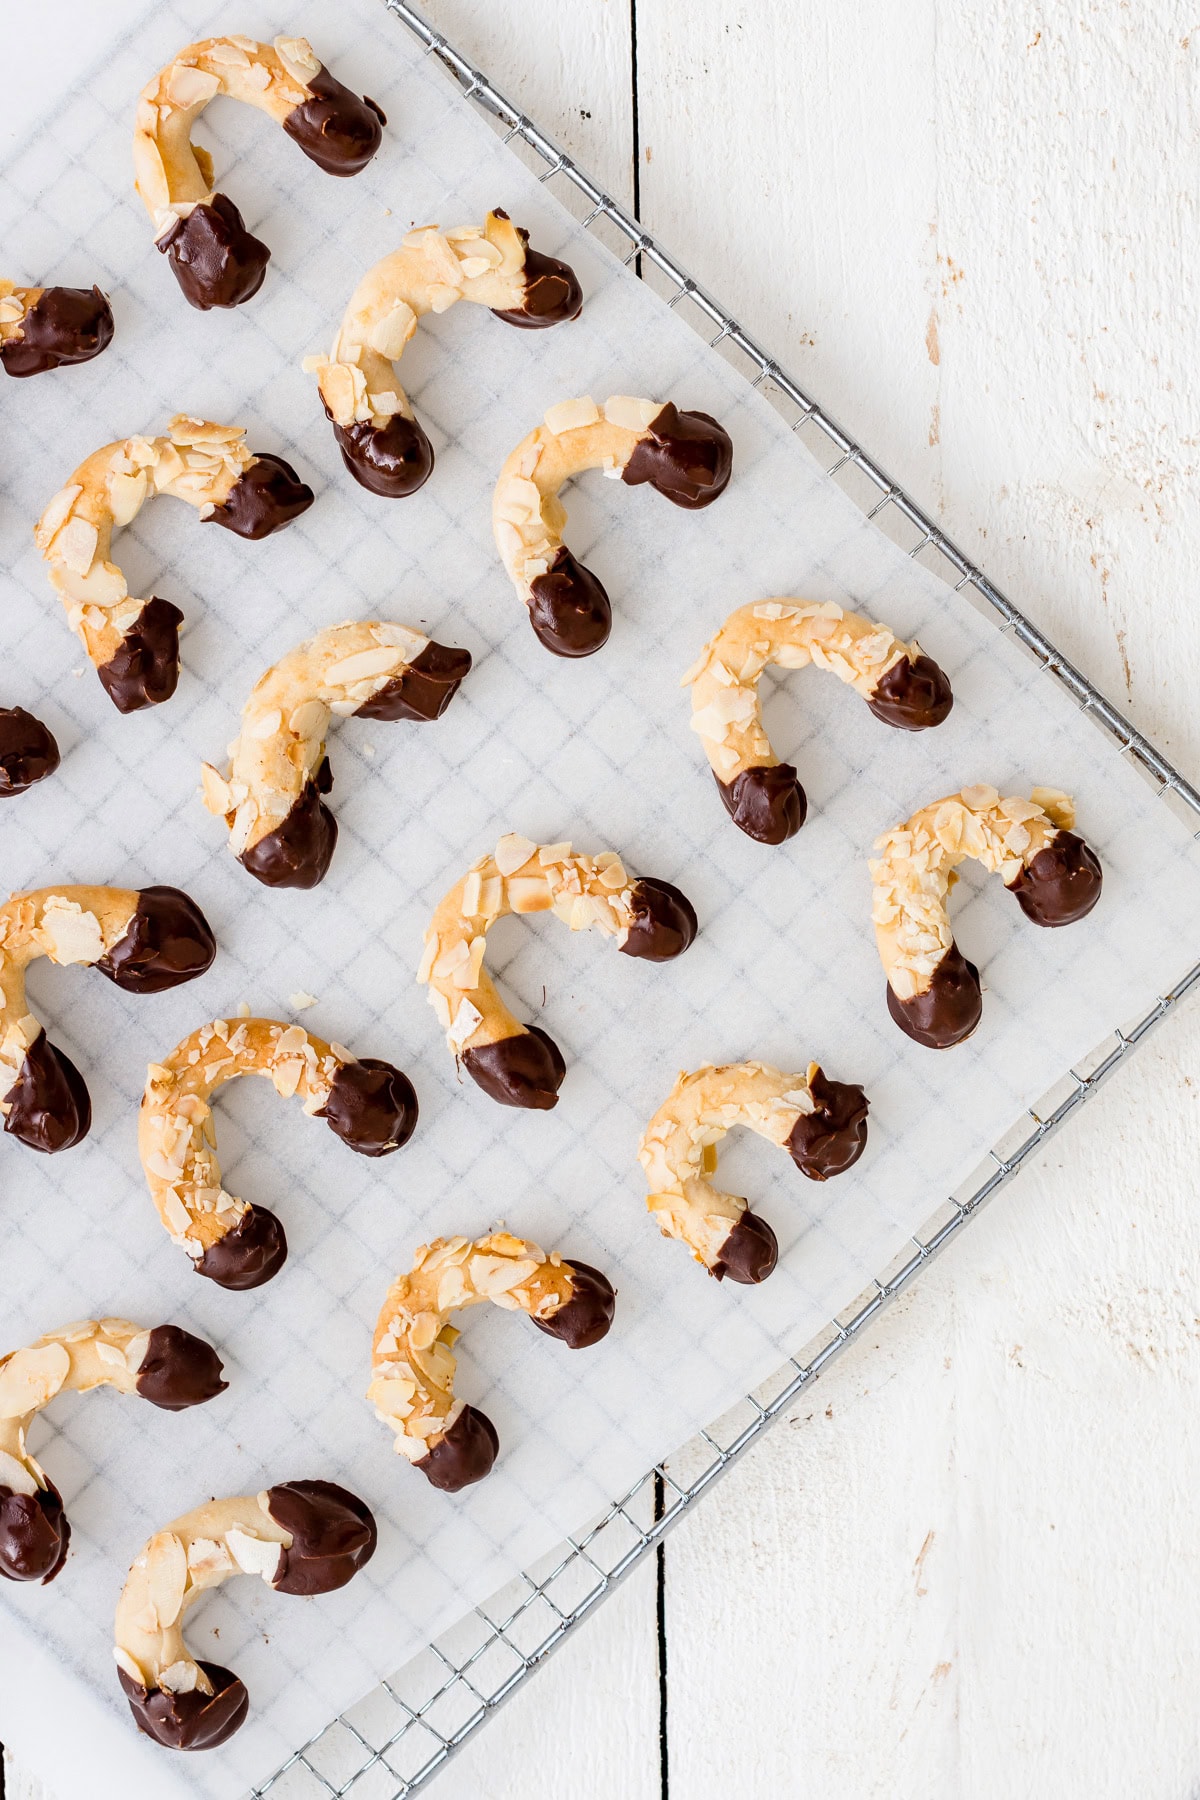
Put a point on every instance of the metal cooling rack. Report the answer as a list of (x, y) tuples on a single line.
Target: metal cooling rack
[(396, 1739)]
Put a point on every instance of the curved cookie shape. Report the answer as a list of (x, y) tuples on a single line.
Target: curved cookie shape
[(164, 1365), (382, 444), (514, 1064), (369, 1104), (134, 644), (933, 992), (270, 796), (900, 685), (302, 1537), (685, 456), (143, 941), (413, 1365), (215, 260), (44, 328), (28, 751), (822, 1124)]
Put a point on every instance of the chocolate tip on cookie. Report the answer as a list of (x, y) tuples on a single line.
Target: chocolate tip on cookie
[(830, 1140), (335, 128), (372, 1107), (914, 695), (664, 922), (1061, 883), (249, 1255), (35, 1534), (144, 671), (464, 1454), (179, 1370), (168, 941), (265, 497), (391, 460), (333, 1535), (425, 689), (568, 608), (552, 294), (63, 326), (749, 1253), (525, 1070), (585, 1317), (191, 1721), (948, 1011), (49, 1108), (685, 456), (767, 803), (297, 854), (215, 260), (28, 752)]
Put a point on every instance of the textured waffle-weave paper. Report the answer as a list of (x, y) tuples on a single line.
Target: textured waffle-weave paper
[(599, 752)]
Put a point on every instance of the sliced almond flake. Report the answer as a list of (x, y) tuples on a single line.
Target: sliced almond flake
[(75, 545), (463, 1023), (389, 335), (15, 1476), (513, 852), (631, 414), (571, 415), (529, 894), (108, 1353), (252, 1555), (178, 1218)]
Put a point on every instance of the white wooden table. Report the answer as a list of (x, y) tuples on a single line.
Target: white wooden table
[(969, 1568)]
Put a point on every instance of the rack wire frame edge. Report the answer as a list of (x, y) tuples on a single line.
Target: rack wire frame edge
[(404, 1732)]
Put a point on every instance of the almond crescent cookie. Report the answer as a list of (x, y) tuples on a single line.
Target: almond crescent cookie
[(367, 1103), (165, 1365), (412, 1361), (933, 992), (685, 456), (762, 795), (822, 1124), (302, 1537), (270, 795), (134, 644), (215, 260), (515, 1064), (143, 941), (28, 751), (382, 444), (45, 328)]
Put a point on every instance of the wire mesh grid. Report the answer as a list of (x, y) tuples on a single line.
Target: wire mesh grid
[(398, 1737)]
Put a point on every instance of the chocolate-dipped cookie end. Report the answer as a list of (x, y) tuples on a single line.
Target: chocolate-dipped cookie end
[(63, 326), (767, 803), (266, 496), (28, 751), (195, 1721), (35, 1534), (372, 1107), (215, 260), (179, 1370), (586, 1316), (391, 460), (247, 1256), (335, 128), (333, 1535), (465, 1454), (830, 1140), (948, 1011), (664, 922), (168, 941), (686, 456), (913, 695), (525, 1070), (568, 608), (49, 1108), (1061, 884), (749, 1253)]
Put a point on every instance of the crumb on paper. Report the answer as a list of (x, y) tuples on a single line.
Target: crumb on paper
[(368, 750), (299, 1001), (243, 1009)]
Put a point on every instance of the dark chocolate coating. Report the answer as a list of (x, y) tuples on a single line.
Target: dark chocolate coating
[(749, 1253), (1061, 883), (333, 1535), (830, 1140), (686, 456), (372, 1107), (768, 804), (179, 1370), (145, 669), (425, 689), (192, 1721), (215, 260), (264, 498), (552, 294), (168, 941), (392, 460), (35, 1534), (912, 696), (337, 130), (249, 1255), (28, 752), (464, 1455), (49, 1107), (568, 608), (526, 1070), (64, 325), (951, 1009), (664, 922), (297, 854), (587, 1315)]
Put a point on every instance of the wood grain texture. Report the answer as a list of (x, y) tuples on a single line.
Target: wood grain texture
[(967, 1568)]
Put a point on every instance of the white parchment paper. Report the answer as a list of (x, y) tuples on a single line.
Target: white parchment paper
[(599, 752)]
